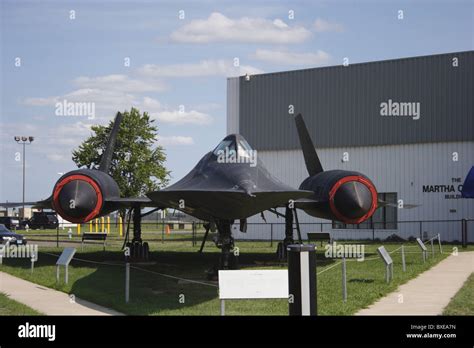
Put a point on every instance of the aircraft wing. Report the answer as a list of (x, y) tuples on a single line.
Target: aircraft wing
[(44, 204), (304, 202), (382, 203), (121, 202), (127, 202), (224, 204)]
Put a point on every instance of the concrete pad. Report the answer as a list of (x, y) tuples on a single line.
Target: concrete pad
[(430, 292), (46, 300)]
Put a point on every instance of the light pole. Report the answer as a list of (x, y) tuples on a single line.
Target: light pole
[(23, 140)]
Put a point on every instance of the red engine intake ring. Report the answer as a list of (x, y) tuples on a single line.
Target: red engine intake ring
[(57, 190), (362, 180)]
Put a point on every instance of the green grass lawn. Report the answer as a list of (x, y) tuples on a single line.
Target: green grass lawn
[(154, 294), (11, 307), (463, 302)]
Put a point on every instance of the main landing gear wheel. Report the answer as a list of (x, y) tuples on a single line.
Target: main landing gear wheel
[(224, 241)]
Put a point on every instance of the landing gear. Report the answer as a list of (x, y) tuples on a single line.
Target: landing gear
[(282, 246), (224, 241), (139, 250)]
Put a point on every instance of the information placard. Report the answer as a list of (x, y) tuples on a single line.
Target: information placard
[(385, 255), (253, 284), (66, 257)]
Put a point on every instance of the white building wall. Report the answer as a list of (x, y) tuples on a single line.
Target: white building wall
[(397, 168)]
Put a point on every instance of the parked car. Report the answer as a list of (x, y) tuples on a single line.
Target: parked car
[(14, 238), (42, 220), (10, 222)]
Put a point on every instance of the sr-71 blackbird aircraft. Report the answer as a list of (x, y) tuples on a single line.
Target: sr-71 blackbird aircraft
[(223, 187)]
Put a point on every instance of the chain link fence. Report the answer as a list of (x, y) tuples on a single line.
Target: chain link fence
[(451, 231)]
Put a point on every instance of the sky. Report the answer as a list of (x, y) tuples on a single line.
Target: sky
[(172, 59)]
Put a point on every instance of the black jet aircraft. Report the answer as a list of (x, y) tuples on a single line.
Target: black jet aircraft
[(229, 183)]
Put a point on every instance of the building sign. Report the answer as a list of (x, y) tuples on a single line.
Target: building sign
[(451, 191)]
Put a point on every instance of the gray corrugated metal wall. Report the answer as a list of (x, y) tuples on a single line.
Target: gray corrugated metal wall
[(232, 105), (341, 105)]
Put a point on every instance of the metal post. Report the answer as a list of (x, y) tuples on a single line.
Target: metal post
[(432, 248), (57, 273), (439, 243), (387, 273), (464, 233), (127, 282), (302, 279), (404, 267), (162, 230), (344, 280), (391, 271), (222, 307), (271, 234), (32, 263), (23, 214), (424, 256), (66, 274)]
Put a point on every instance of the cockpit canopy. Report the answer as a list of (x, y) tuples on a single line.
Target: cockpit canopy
[(234, 144)]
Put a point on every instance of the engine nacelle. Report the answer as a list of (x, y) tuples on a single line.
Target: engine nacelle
[(342, 195), (81, 195)]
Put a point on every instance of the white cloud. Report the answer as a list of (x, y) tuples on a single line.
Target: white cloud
[(109, 93), (119, 83), (175, 140), (52, 141), (218, 67), (108, 103), (70, 134), (219, 28), (206, 106), (321, 25), (292, 58), (182, 117)]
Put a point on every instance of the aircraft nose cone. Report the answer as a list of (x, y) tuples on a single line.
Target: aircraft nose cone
[(77, 199), (353, 199)]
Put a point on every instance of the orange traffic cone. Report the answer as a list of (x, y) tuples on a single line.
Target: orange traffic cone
[(167, 229)]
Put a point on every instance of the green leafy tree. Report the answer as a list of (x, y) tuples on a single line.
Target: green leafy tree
[(137, 164)]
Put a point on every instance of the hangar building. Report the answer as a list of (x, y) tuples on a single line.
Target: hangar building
[(408, 124)]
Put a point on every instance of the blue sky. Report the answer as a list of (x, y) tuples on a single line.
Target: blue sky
[(178, 66)]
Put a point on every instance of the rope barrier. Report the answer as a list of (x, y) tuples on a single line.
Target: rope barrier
[(213, 285), (365, 259), (137, 268)]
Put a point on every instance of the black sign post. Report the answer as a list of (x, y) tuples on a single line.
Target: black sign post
[(302, 279)]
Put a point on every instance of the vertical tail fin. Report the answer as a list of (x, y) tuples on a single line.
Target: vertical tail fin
[(109, 150), (313, 164)]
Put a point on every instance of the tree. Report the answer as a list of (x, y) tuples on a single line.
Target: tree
[(137, 164)]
